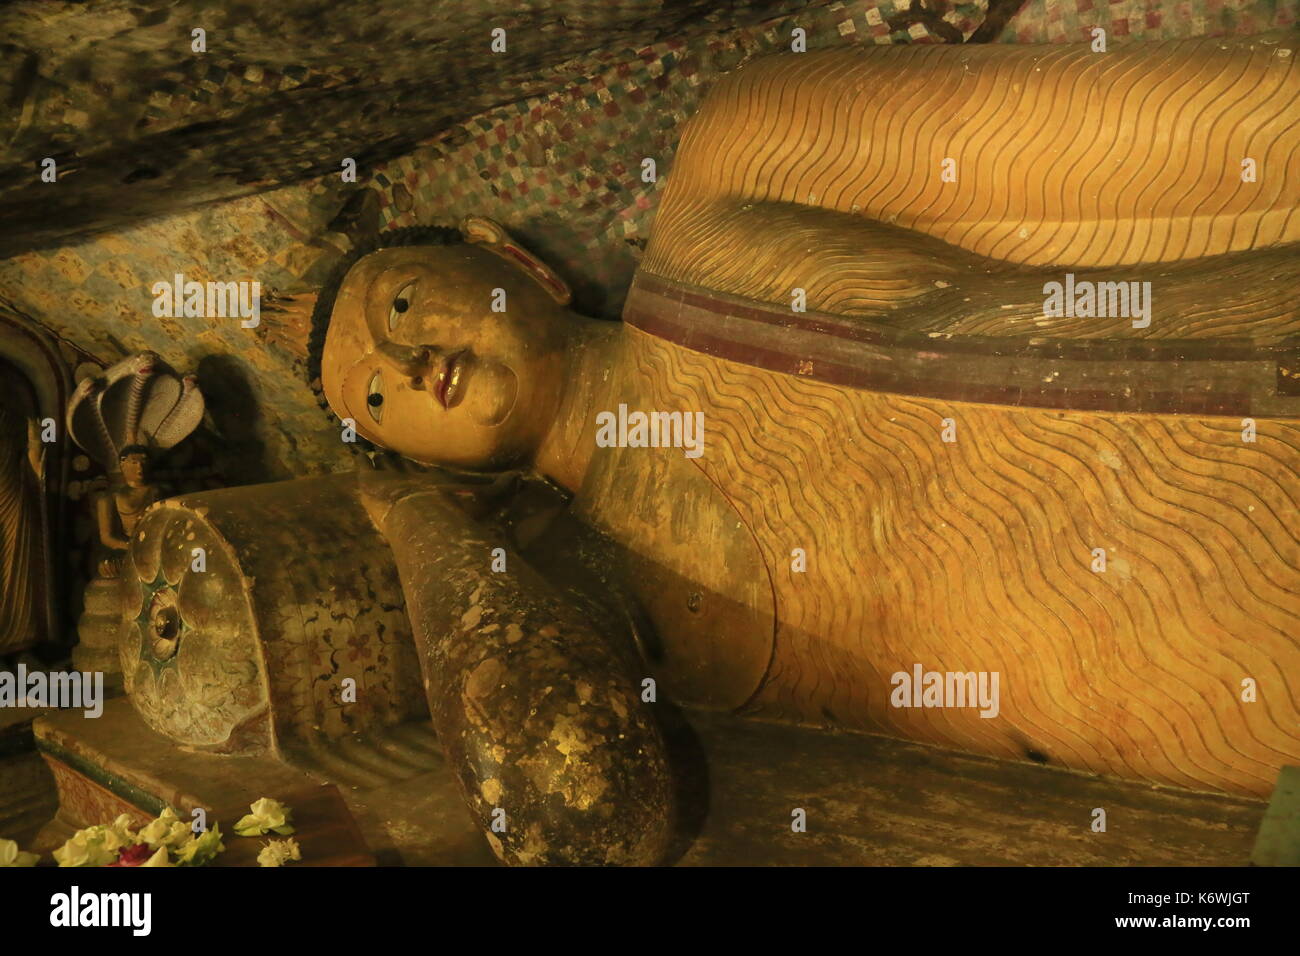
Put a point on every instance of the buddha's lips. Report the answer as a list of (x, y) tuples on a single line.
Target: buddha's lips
[(446, 388)]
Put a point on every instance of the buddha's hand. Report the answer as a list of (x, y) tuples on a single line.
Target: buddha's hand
[(557, 756), (380, 490)]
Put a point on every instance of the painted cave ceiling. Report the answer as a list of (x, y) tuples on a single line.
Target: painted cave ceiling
[(141, 124)]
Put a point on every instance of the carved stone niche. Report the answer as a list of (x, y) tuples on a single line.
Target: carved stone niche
[(269, 619), (35, 382)]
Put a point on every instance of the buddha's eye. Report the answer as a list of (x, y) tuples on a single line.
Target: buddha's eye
[(375, 397), (401, 302)]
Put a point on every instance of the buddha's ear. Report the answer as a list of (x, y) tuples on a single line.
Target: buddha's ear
[(490, 235)]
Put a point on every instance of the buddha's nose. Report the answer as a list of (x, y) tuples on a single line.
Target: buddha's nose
[(412, 361)]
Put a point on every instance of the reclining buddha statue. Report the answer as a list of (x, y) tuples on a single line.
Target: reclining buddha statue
[(838, 438)]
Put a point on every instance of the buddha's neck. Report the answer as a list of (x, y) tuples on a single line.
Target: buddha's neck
[(591, 377)]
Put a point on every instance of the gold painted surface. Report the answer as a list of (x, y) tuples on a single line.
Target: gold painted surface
[(694, 567), (1063, 156), (975, 556)]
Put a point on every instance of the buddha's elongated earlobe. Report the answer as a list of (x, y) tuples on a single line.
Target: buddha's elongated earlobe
[(491, 235)]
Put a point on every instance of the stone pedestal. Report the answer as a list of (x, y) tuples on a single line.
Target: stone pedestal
[(97, 632)]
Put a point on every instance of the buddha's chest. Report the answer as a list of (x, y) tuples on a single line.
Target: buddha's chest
[(130, 504), (719, 488)]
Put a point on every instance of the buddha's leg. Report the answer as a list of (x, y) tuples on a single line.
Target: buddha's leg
[(556, 755)]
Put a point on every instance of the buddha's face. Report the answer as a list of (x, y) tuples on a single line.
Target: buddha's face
[(416, 357), (133, 468)]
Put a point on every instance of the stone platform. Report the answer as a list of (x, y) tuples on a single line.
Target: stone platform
[(116, 764), (97, 630), (868, 800)]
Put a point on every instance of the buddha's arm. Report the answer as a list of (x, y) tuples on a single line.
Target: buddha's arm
[(846, 265), (545, 729), (104, 514)]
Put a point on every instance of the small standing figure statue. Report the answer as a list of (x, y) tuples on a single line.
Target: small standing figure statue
[(122, 419), (23, 556)]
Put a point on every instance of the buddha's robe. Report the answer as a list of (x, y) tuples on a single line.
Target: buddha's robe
[(825, 430), (1060, 156), (975, 555)]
